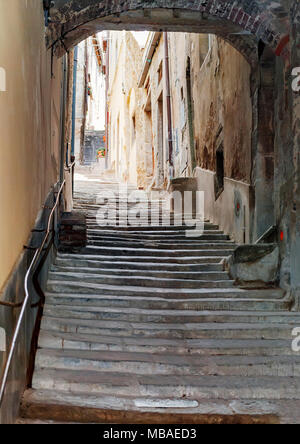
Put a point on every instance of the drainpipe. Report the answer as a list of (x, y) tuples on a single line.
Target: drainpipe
[(63, 101), (74, 99), (169, 110)]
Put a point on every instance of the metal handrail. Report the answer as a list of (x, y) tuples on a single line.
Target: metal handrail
[(70, 167), (26, 300)]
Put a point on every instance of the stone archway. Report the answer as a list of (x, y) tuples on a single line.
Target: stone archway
[(234, 20)]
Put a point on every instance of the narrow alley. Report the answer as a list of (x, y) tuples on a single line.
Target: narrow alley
[(149, 213)]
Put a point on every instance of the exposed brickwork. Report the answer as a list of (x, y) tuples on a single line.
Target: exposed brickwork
[(265, 19)]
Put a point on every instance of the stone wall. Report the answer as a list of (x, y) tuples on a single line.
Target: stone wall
[(265, 19)]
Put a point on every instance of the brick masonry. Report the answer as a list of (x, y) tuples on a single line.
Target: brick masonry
[(265, 19)]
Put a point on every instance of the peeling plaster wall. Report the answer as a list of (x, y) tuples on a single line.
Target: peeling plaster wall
[(219, 112), (221, 101)]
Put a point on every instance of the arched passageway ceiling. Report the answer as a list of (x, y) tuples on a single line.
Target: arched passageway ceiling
[(266, 20)]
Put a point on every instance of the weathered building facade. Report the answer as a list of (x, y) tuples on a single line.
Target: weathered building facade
[(212, 126), (125, 128)]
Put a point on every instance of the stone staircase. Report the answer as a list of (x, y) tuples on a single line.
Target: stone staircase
[(145, 326)]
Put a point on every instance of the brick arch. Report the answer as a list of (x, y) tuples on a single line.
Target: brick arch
[(266, 20)]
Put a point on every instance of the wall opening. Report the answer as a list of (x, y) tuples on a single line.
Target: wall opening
[(219, 183)]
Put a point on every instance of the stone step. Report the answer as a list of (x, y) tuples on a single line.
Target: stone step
[(172, 331), (162, 386), (199, 347), (89, 288), (165, 235), (145, 364), (165, 303), (129, 214), (163, 267), (135, 280), (193, 275), (152, 228), (133, 314), (157, 252), (154, 245), (163, 240), (61, 406), (185, 260)]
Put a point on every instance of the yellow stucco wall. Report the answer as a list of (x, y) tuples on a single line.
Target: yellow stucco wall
[(29, 126)]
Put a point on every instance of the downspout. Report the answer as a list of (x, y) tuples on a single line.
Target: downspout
[(74, 113), (169, 109), (63, 101), (74, 99)]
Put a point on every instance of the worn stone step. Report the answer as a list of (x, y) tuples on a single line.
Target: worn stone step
[(93, 264), (145, 364), (125, 215), (187, 260), (199, 347), (193, 275), (73, 286), (173, 331), (161, 303), (135, 280), (53, 405), (182, 386), (166, 238), (133, 314), (153, 245), (127, 251), (153, 228)]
